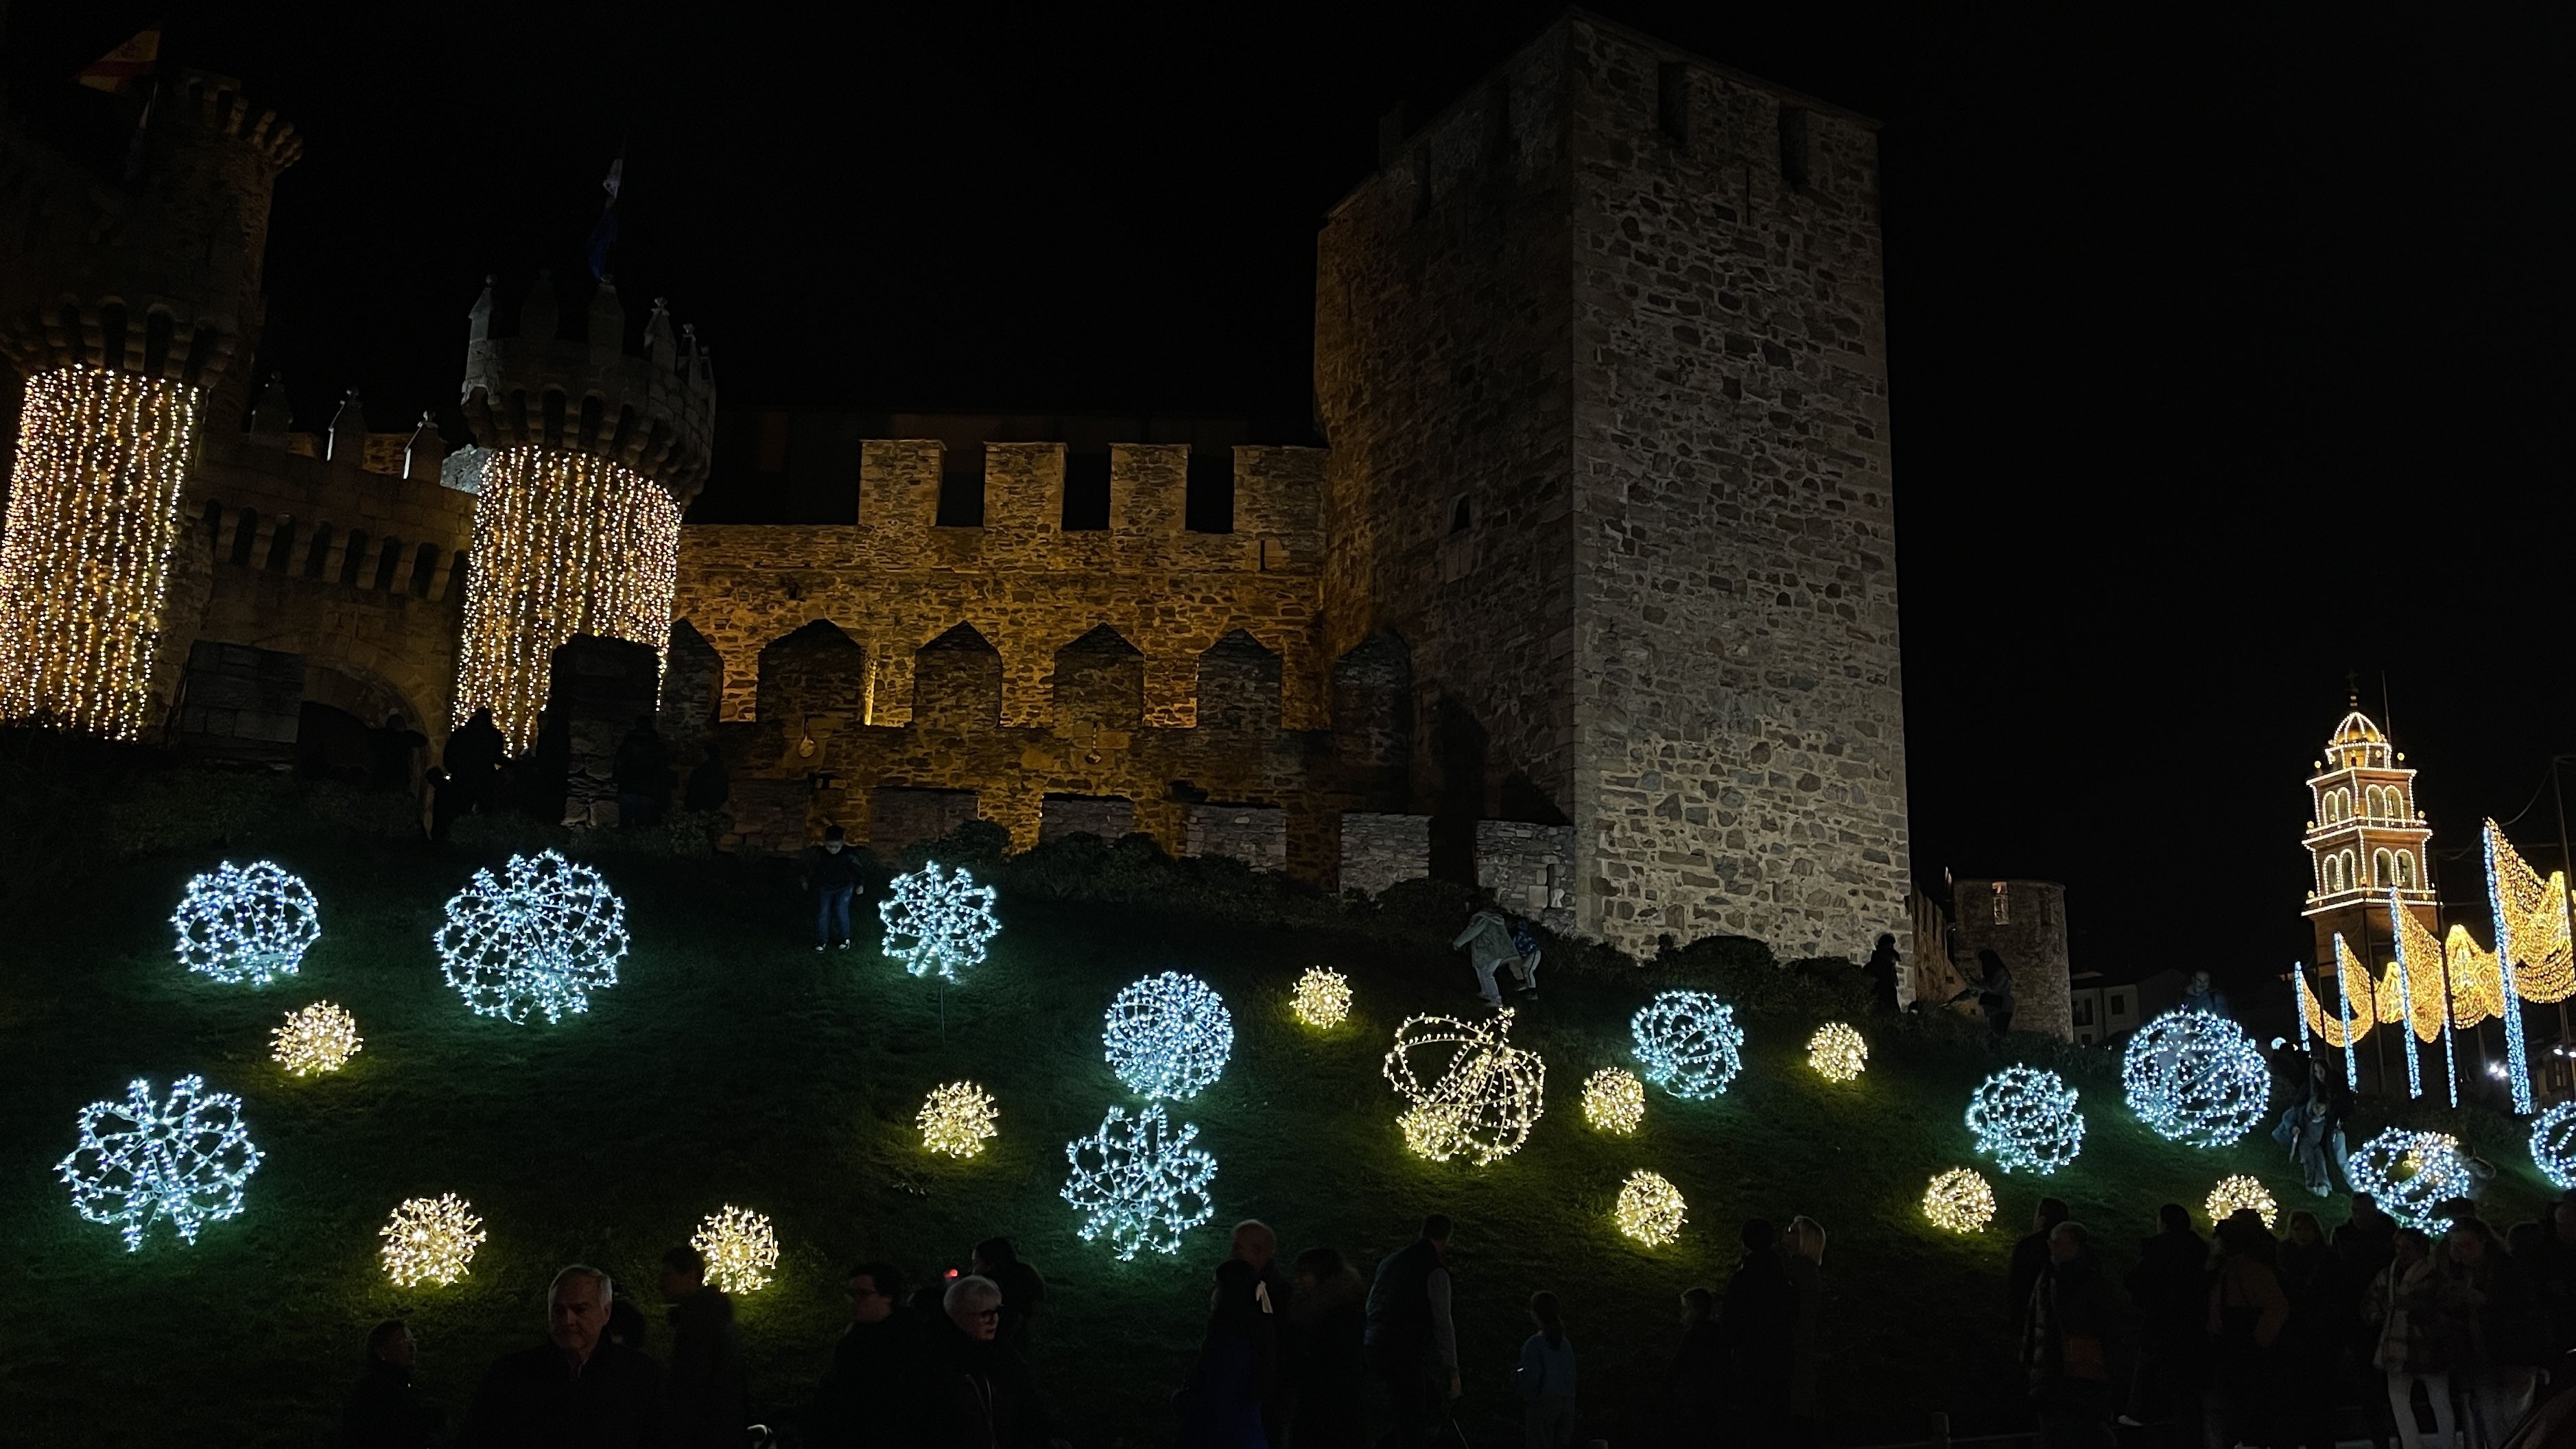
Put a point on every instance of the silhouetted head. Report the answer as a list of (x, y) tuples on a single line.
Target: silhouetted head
[(1758, 1235), (2173, 1217)]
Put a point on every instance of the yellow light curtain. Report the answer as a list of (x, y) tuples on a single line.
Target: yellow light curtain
[(2423, 957), (2535, 914), (2329, 1024), (2477, 987)]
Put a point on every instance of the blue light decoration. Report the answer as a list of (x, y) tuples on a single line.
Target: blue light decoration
[(2418, 953), (2299, 1003), (1139, 1182), (1168, 1036), (2343, 993), (183, 1159), (2553, 1145), (2195, 1077), (2026, 1117), (2409, 1174), (2517, 1063), (948, 919), (539, 938), (1688, 1043), (248, 923)]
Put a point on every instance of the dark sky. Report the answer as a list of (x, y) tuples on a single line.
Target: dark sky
[(2229, 354)]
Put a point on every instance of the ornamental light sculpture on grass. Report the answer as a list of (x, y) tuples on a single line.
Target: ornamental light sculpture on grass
[(1959, 1201), (937, 923), (537, 939), (2237, 1192), (1139, 1182), (2026, 1117), (2195, 1077), (739, 1247), (1168, 1036), (430, 1240), (183, 1158), (320, 1038), (248, 923), (1322, 998), (1472, 1093), (2553, 1144), (956, 1119), (2409, 1174), (1688, 1043), (1650, 1209), (1614, 1101), (1837, 1052)]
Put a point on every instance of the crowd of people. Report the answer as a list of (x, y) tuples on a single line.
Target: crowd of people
[(1302, 1353)]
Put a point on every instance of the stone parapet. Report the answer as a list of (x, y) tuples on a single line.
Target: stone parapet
[(1380, 850)]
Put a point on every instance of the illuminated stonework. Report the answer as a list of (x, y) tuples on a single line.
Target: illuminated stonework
[(564, 544), (85, 555)]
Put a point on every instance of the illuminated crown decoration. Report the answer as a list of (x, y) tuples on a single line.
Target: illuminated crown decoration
[(539, 938), (246, 923), (1480, 1095)]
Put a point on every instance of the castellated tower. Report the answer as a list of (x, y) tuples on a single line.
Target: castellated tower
[(589, 452), (127, 312), (1601, 358)]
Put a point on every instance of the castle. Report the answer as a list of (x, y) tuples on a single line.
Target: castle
[(1591, 592)]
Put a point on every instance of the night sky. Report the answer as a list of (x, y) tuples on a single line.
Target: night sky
[(2227, 358)]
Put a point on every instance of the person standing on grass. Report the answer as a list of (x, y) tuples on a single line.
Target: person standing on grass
[(867, 1397), (2363, 1246), (832, 874), (1326, 1322), (1221, 1405), (1882, 971), (1488, 939), (2029, 1261), (1546, 1378), (1022, 1290), (1760, 1310), (1695, 1384), (574, 1388), (2170, 1289), (386, 1412), (2063, 1344), (707, 1388), (1256, 1245), (1412, 1340), (1525, 942), (1803, 1254), (978, 1394)]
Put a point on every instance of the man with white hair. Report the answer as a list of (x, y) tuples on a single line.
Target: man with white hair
[(979, 1391), (576, 1390)]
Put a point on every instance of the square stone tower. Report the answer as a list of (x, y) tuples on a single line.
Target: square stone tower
[(1600, 353)]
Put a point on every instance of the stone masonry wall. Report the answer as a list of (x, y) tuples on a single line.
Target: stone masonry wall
[(1252, 834), (1530, 869), (2024, 922), (1380, 850)]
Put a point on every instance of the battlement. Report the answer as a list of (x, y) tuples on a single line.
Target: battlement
[(214, 106), (651, 410)]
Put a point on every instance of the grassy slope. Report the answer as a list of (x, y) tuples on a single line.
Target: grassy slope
[(734, 1065)]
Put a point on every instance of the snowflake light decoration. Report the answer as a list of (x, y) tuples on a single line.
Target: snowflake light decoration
[(1837, 1052), (2194, 1076), (320, 1038), (1651, 1209), (1614, 1101), (2553, 1144), (1139, 1182), (1688, 1043), (1959, 1201), (1168, 1036), (430, 1240), (539, 938), (945, 920), (2409, 1174), (1482, 1096), (184, 1158), (2240, 1191), (956, 1119), (246, 923), (739, 1248), (1322, 998), (2026, 1117)]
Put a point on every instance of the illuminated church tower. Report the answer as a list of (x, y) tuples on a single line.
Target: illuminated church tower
[(2364, 836), (589, 451)]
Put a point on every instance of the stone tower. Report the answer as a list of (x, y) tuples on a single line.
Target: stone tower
[(2364, 837), (127, 311), (1601, 357), (588, 452)]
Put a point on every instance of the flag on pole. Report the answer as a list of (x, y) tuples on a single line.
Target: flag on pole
[(604, 235), (118, 70)]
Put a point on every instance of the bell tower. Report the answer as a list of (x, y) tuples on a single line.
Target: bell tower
[(2365, 837)]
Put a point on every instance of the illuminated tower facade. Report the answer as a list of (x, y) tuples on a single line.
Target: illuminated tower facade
[(588, 452), (2365, 836)]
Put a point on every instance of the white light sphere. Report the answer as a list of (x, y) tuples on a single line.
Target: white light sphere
[(2553, 1145), (183, 1158), (248, 923), (1139, 1182), (2409, 1174), (430, 1240), (740, 1248), (1168, 1036), (1837, 1052), (1688, 1043), (938, 923), (1614, 1101), (2196, 1077), (2025, 1117), (537, 939)]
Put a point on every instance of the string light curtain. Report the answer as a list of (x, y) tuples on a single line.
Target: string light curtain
[(564, 544), (2534, 915), (85, 559)]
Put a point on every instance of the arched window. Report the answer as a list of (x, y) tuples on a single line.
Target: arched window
[(387, 562), (2347, 863), (2326, 875), (320, 553), (424, 570), (2406, 869), (281, 546), (2371, 802), (2383, 868), (354, 557)]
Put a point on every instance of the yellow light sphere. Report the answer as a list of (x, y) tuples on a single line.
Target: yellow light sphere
[(957, 1119), (1614, 1100), (1959, 1201), (1322, 998), (1837, 1052), (2241, 1191), (739, 1248), (430, 1240), (1651, 1209), (320, 1038)]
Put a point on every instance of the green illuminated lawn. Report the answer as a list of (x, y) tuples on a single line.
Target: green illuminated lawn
[(734, 1065)]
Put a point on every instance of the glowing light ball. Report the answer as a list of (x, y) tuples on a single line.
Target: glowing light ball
[(1688, 1043), (539, 938), (1139, 1182), (1959, 1201), (430, 1240), (1473, 1094), (183, 1159), (739, 1248), (1614, 1100), (2026, 1117), (1837, 1052), (938, 923), (246, 923), (2195, 1077), (2240, 1191), (2410, 1173), (957, 1119), (1322, 998), (1168, 1036), (320, 1038), (1651, 1209), (2553, 1144)]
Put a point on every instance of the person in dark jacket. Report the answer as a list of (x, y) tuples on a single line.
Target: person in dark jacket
[(2029, 1261), (2247, 1312), (573, 1389), (2063, 1344), (1022, 1291), (473, 759), (1756, 1321), (2170, 1289), (2509, 1334), (706, 1387), (1327, 1320), (832, 874), (385, 1411), (642, 773), (708, 788), (2552, 1268), (1695, 1383), (978, 1393), (1882, 970), (394, 755), (1221, 1404), (2322, 1304), (1411, 1338), (2364, 1246), (868, 1397), (1257, 1244)]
